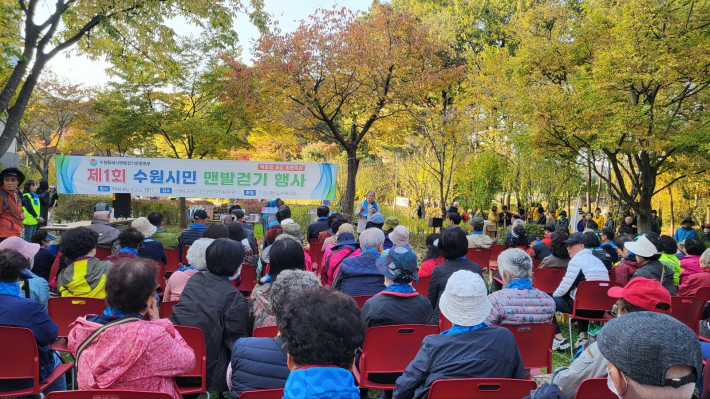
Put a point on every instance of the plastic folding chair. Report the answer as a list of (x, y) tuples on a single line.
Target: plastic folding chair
[(314, 248), (173, 261), (444, 323), (108, 394), (480, 256), (612, 275), (195, 338), (380, 343), (594, 388), (265, 332), (263, 394), (65, 310), (183, 259), (102, 253), (591, 295), (160, 278), (481, 388), (166, 308), (687, 309), (535, 345), (422, 286), (703, 292), (536, 264), (19, 360), (248, 275), (547, 279), (495, 251), (55, 267), (361, 299)]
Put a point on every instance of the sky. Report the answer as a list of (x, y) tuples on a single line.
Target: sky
[(79, 69)]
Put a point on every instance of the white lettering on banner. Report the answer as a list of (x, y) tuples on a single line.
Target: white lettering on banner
[(195, 177)]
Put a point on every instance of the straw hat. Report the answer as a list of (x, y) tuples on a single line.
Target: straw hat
[(143, 225), (465, 299)]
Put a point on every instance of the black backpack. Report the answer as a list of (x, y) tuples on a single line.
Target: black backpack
[(603, 256)]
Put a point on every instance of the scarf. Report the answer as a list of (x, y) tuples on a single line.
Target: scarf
[(129, 250), (323, 218), (318, 382), (372, 251), (198, 226), (400, 288), (111, 312), (188, 267), (457, 329), (11, 289), (475, 233), (463, 257), (520, 283), (160, 229), (364, 208)]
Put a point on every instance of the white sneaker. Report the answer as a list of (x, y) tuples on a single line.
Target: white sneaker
[(560, 345), (580, 342)]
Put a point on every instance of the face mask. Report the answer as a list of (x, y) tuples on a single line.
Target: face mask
[(612, 387), (707, 231)]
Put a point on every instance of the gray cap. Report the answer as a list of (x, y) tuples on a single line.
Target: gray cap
[(476, 222), (644, 345)]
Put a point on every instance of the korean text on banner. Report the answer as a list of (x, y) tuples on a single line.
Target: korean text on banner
[(195, 177)]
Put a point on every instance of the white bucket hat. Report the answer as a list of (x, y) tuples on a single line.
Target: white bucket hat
[(465, 299), (143, 225), (642, 247)]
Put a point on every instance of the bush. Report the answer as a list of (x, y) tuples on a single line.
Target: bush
[(74, 208), (531, 230)]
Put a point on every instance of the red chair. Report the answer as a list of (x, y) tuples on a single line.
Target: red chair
[(19, 360), (535, 345), (703, 292), (591, 295), (265, 332), (248, 275), (612, 275), (361, 299), (536, 264), (194, 337), (422, 286), (380, 343), (183, 260), (548, 279), (65, 310), (108, 394), (263, 394), (495, 251), (444, 323), (102, 253), (481, 256), (481, 388), (687, 309), (160, 278), (166, 308), (173, 261), (55, 267), (594, 388), (314, 248)]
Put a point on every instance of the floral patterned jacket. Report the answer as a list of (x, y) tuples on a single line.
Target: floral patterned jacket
[(521, 306)]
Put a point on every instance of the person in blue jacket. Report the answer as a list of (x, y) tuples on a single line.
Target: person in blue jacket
[(686, 231)]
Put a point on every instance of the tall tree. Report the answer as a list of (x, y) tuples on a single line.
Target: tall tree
[(337, 76), (115, 29)]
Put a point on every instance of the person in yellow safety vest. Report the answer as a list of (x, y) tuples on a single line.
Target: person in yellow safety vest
[(30, 206)]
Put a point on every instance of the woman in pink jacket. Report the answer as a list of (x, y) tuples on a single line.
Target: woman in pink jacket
[(196, 263), (136, 350), (345, 248), (690, 263)]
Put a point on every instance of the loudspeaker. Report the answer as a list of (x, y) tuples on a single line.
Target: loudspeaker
[(436, 222), (122, 205)]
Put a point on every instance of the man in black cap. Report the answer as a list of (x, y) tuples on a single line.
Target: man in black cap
[(11, 213), (108, 235), (650, 355), (194, 232), (606, 236)]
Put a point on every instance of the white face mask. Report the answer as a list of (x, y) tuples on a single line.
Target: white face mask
[(707, 231), (612, 387)]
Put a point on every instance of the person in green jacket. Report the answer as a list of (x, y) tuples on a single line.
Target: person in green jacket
[(31, 208), (169, 240), (668, 258)]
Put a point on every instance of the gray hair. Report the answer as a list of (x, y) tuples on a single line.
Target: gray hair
[(705, 257), (371, 238), (517, 223), (369, 192), (516, 263), (101, 214), (196, 253), (288, 284)]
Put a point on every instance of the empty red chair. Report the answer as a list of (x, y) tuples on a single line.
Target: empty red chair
[(361, 299), (108, 394), (481, 388), (444, 323), (248, 275), (19, 360), (102, 253), (173, 261), (314, 249), (166, 308), (265, 332), (381, 342), (704, 293), (591, 295), (481, 256), (263, 394), (594, 388), (65, 310), (547, 279), (422, 286), (496, 249), (535, 345), (687, 309), (194, 337)]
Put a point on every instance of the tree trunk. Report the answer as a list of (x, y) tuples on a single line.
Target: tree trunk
[(349, 200), (589, 185), (643, 215), (672, 215), (183, 213)]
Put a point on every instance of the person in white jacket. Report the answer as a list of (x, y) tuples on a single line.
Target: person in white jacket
[(583, 266)]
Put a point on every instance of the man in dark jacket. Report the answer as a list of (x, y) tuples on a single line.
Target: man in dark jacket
[(319, 225), (648, 255), (18, 311), (359, 275), (260, 363), (197, 227), (453, 245)]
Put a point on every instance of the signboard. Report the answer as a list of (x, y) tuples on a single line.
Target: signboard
[(169, 177)]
